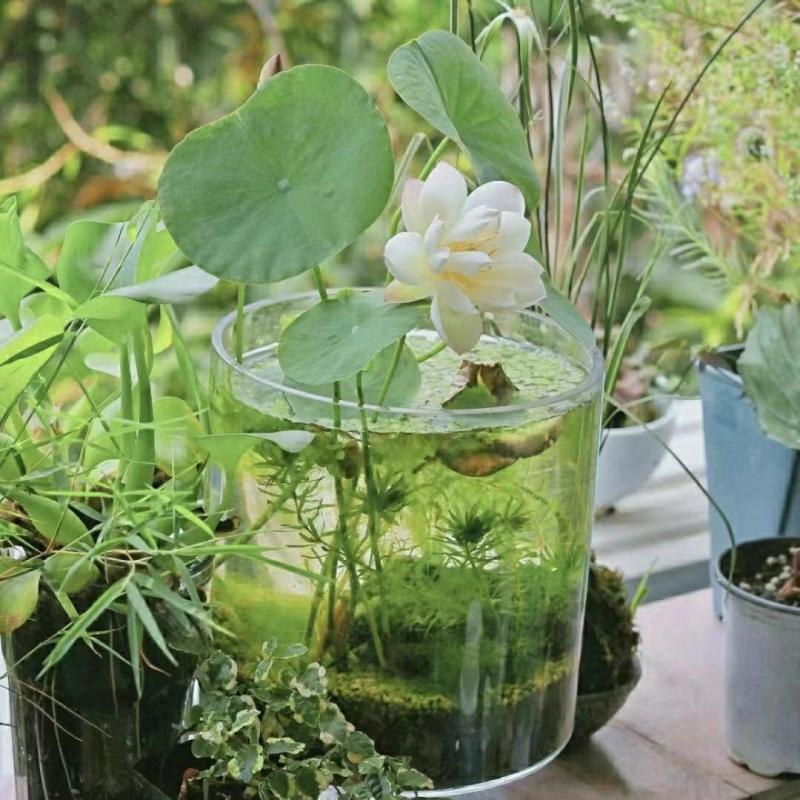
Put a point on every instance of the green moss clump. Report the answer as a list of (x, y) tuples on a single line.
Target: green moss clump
[(399, 698), (609, 637)]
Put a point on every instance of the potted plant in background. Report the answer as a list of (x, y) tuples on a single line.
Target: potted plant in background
[(108, 540), (760, 579), (762, 643), (639, 425), (725, 194)]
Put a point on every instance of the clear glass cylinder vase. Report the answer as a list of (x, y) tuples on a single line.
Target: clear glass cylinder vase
[(448, 546)]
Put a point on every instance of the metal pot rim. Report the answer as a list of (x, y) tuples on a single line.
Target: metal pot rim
[(741, 594)]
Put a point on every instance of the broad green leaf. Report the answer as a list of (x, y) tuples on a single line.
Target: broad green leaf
[(40, 304), (70, 572), (176, 429), (11, 468), (113, 317), (19, 596), (402, 389), (284, 182), (446, 84), (227, 449), (336, 339), (769, 368), (96, 256), (101, 256), (16, 373), (181, 286), (14, 253), (159, 254), (54, 521)]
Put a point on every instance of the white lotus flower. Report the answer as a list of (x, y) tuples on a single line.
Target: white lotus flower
[(466, 252)]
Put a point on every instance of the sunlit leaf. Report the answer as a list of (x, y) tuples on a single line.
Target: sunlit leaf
[(54, 521), (16, 373), (70, 572), (176, 429), (335, 339), (227, 449), (283, 183), (403, 387), (15, 254), (19, 596), (176, 287), (113, 317), (440, 77)]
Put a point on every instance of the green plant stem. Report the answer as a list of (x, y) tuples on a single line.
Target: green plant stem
[(551, 135), (454, 17), (341, 536), (239, 326), (373, 513), (434, 351), (188, 370), (471, 17), (432, 161), (141, 470), (126, 406), (319, 283), (387, 383), (373, 523)]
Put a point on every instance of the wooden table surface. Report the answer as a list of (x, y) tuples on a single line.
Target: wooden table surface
[(668, 742)]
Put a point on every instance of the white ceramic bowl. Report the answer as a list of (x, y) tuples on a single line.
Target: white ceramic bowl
[(629, 456)]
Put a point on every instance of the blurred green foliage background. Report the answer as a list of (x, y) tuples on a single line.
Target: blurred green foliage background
[(93, 93)]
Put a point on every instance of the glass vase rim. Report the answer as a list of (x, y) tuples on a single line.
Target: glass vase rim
[(591, 381)]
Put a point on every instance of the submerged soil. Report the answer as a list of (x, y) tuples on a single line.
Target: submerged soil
[(508, 728)]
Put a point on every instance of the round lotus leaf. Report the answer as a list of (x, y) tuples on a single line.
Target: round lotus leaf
[(284, 182)]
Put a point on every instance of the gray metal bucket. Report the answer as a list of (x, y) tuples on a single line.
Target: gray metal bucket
[(762, 664), (755, 480)]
